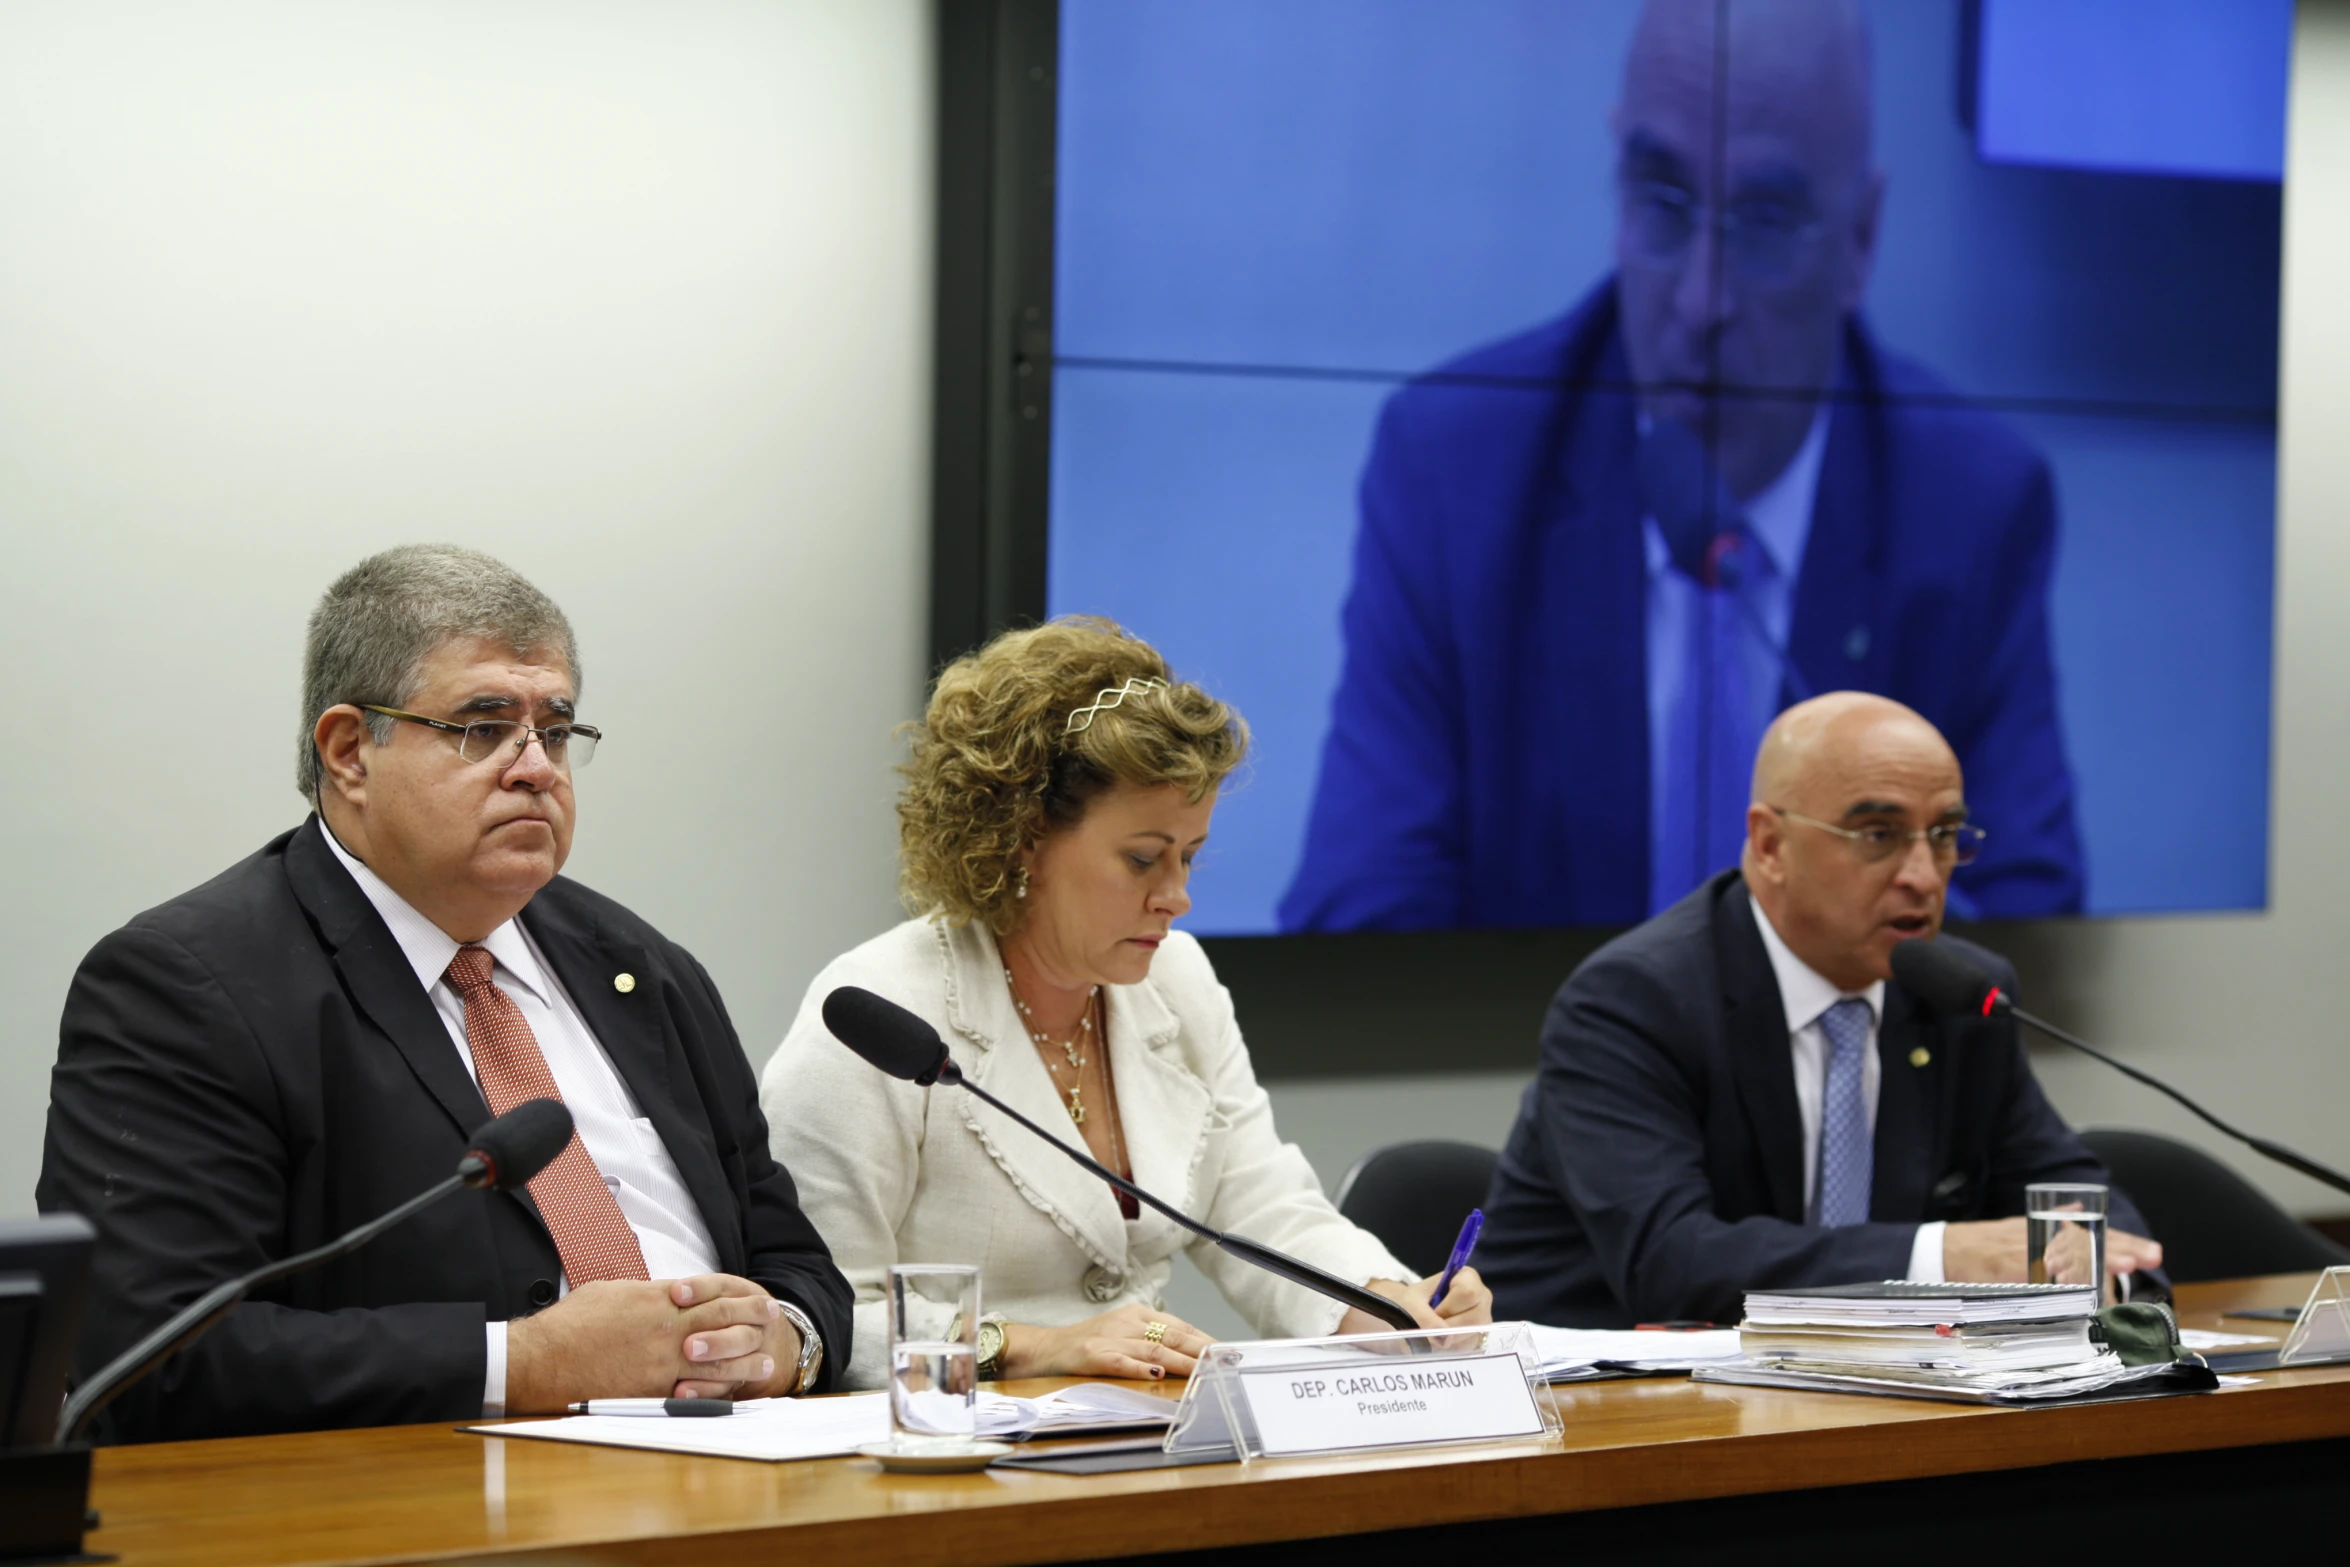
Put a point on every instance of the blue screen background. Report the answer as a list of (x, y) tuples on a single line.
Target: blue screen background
[(2155, 86), (1273, 211)]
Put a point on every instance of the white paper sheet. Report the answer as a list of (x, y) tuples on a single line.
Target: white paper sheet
[(777, 1430), (769, 1429), (1570, 1352)]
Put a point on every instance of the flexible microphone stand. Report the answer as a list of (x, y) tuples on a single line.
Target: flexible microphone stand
[(895, 1041), (1256, 1252), (505, 1154), (1949, 981), (207, 1309), (2274, 1150)]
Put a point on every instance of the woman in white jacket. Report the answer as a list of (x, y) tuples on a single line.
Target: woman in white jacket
[(1059, 786)]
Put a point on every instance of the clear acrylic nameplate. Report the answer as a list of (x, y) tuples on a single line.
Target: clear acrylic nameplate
[(2321, 1334), (1288, 1398)]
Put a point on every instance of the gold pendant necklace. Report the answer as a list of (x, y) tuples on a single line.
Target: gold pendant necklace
[(1076, 1088)]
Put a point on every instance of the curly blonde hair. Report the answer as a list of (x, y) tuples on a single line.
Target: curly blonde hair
[(994, 769)]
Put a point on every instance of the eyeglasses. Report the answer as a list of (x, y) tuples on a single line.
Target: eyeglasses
[(567, 745), (1954, 843), (1764, 240)]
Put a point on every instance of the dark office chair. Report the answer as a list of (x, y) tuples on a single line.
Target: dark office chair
[(2213, 1224), (1413, 1196)]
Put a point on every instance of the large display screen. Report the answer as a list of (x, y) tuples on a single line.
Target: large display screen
[(1511, 404)]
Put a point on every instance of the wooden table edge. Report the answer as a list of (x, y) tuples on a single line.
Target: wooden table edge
[(1080, 1525), (1036, 1517)]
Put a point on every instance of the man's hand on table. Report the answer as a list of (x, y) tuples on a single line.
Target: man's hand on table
[(711, 1336), (1992, 1251), (757, 1358)]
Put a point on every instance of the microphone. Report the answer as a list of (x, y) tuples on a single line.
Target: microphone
[(509, 1152), (503, 1155), (1948, 981), (902, 1045), (1691, 506)]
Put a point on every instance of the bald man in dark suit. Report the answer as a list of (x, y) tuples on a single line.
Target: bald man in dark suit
[(1737, 1095)]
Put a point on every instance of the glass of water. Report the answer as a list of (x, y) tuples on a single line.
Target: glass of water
[(2064, 1235), (933, 1355)]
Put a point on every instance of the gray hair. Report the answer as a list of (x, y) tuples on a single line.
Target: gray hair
[(372, 632)]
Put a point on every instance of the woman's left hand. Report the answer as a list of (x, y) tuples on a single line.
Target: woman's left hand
[(1467, 1304)]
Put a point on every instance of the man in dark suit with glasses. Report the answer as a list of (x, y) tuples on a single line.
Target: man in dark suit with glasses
[(309, 1038), (1737, 1095)]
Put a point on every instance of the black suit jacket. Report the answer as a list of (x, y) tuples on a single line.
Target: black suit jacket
[(1656, 1167), (251, 1069)]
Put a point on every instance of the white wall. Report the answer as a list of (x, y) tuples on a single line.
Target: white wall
[(635, 296)]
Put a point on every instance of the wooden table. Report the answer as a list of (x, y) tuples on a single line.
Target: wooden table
[(1653, 1451)]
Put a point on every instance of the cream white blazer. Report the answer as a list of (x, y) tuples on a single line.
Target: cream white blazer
[(894, 1173)]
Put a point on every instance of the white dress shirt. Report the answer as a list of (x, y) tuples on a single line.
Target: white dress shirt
[(628, 1152), (1807, 997)]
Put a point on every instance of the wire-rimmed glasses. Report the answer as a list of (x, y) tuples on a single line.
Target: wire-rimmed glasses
[(1952, 843), (567, 745)]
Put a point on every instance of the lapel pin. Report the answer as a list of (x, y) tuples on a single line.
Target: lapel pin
[(1918, 1057), (624, 983)]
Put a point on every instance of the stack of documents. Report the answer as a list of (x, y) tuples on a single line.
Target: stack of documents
[(1901, 1301), (1962, 1347), (1976, 1343), (775, 1430), (1089, 1407)]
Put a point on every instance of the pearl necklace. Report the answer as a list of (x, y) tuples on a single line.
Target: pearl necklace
[(1068, 1046)]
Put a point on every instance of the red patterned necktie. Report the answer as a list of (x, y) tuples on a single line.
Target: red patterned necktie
[(591, 1236)]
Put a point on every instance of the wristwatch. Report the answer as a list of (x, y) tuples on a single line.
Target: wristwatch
[(991, 1347), (811, 1348)]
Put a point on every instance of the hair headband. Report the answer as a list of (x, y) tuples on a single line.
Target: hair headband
[(1109, 697)]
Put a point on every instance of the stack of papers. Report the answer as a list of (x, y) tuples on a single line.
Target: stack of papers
[(777, 1430), (1976, 1343), (1987, 1346), (1088, 1407), (2107, 1375), (1584, 1354)]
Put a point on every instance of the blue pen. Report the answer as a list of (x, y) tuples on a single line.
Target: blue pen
[(1471, 1227)]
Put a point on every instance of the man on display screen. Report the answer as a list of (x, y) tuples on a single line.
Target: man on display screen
[(1596, 558)]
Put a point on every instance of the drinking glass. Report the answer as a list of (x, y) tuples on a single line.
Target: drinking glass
[(2064, 1235), (933, 1355)]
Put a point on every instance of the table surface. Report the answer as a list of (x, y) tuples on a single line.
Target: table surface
[(431, 1493)]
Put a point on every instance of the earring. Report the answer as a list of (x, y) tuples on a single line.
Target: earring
[(1020, 887)]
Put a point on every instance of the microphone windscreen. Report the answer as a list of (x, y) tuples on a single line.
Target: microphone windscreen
[(886, 1034), (523, 1141), (1944, 978)]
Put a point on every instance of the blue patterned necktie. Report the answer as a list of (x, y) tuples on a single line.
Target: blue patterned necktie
[(1847, 1147), (1729, 690)]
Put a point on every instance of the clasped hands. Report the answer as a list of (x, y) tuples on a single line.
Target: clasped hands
[(710, 1336), (1120, 1342)]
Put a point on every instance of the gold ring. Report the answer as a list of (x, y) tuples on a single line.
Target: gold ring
[(1155, 1333)]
